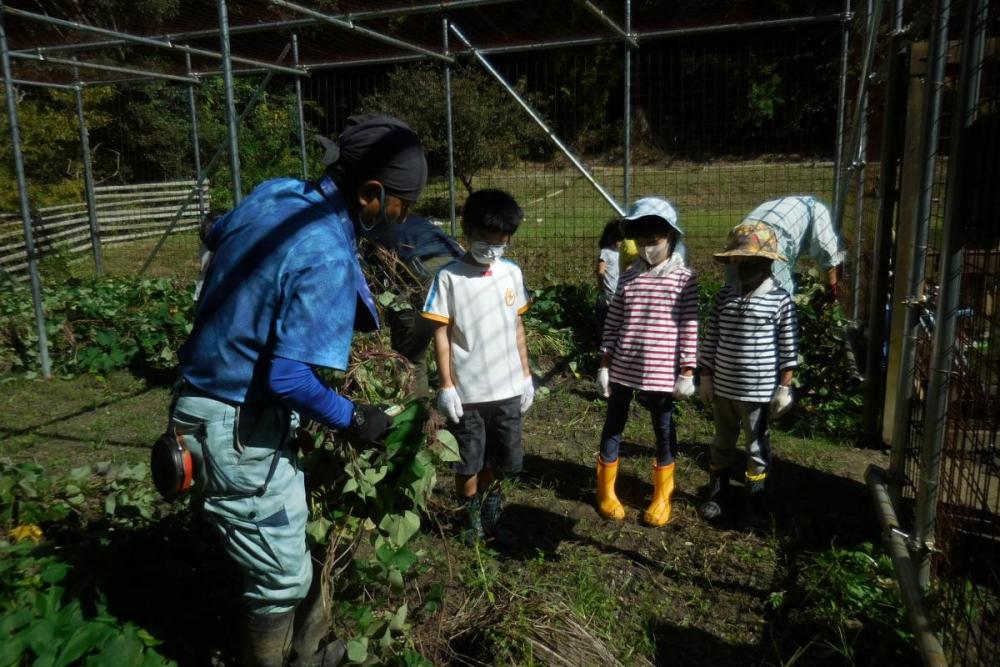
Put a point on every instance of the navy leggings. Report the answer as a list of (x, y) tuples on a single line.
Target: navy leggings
[(661, 409)]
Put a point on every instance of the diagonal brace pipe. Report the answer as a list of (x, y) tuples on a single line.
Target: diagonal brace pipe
[(535, 116)]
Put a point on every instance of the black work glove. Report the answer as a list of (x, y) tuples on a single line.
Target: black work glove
[(369, 423)]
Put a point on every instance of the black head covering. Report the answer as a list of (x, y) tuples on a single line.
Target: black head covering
[(382, 148)]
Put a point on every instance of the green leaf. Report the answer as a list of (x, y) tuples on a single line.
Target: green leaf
[(54, 572), (318, 528), (395, 578), (80, 473), (386, 298), (84, 639), (399, 528), (449, 447), (357, 649), (11, 650), (398, 620)]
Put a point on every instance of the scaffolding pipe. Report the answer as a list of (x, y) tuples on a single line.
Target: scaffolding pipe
[(627, 124), (539, 121), (936, 61), (449, 128), (514, 48), (126, 38), (22, 189), (624, 33), (349, 24), (894, 540), (88, 182), (231, 125), (41, 84), (845, 43), (949, 300), (860, 160), (298, 107), (104, 68), (219, 152), (195, 142), (288, 24), (858, 118), (892, 147)]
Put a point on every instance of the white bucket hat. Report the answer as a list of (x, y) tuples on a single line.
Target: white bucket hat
[(651, 207)]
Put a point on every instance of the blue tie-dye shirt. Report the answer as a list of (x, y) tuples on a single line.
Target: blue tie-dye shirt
[(284, 281)]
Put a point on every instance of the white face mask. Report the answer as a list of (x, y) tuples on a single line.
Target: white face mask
[(654, 254), (486, 253)]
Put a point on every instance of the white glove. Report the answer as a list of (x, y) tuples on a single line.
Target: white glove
[(781, 401), (450, 404), (706, 391), (528, 395), (603, 382), (683, 387)]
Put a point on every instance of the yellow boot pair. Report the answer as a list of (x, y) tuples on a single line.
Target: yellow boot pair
[(608, 505)]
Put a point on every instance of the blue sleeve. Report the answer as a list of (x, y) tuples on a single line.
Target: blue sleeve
[(315, 320), (298, 387)]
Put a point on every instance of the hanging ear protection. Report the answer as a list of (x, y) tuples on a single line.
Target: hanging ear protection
[(172, 466)]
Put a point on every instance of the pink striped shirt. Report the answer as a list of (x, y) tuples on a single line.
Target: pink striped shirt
[(651, 330)]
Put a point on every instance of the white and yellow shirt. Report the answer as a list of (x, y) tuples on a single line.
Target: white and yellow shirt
[(481, 305)]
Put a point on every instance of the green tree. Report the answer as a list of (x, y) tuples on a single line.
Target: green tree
[(490, 130)]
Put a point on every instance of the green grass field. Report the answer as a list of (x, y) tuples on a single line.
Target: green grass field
[(564, 213)]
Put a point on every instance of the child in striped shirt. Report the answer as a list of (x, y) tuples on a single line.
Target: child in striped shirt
[(649, 346), (747, 360)]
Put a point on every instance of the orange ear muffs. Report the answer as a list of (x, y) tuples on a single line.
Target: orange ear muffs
[(172, 466)]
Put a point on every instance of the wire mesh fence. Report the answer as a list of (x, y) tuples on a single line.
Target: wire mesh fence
[(945, 158)]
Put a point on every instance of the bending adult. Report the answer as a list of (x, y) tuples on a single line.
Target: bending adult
[(802, 224), (423, 248), (282, 296)]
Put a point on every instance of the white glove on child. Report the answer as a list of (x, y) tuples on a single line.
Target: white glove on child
[(528, 395), (781, 401), (683, 387), (603, 382), (450, 404), (706, 391)]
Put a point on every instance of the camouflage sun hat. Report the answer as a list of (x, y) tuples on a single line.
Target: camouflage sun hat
[(751, 239)]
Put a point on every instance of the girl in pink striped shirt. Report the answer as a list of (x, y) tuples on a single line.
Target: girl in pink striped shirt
[(649, 346)]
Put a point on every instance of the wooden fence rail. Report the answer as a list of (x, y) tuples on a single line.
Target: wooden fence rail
[(124, 213)]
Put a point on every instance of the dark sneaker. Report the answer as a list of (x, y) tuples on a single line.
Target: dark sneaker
[(717, 496)]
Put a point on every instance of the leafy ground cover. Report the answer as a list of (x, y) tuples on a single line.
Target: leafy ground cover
[(592, 592)]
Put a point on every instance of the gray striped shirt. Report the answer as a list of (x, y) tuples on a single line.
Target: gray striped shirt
[(750, 340)]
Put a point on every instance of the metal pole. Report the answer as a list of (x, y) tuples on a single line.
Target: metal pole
[(195, 142), (220, 151), (895, 543), (162, 43), (298, 106), (103, 68), (227, 76), (22, 188), (627, 124), (937, 58), (538, 121), (289, 24), (349, 24), (88, 180), (892, 148), (450, 129), (858, 118), (859, 161), (838, 158), (608, 21), (40, 84), (949, 300)]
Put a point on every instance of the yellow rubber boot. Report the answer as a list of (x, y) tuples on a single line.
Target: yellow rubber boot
[(608, 504), (658, 512)]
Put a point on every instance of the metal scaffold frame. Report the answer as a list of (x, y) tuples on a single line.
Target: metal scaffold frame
[(63, 55)]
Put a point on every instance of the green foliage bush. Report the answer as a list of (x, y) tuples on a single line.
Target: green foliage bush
[(97, 325), (42, 616)]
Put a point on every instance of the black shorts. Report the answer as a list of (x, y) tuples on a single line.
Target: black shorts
[(490, 433)]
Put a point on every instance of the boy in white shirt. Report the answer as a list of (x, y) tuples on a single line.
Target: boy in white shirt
[(486, 386)]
